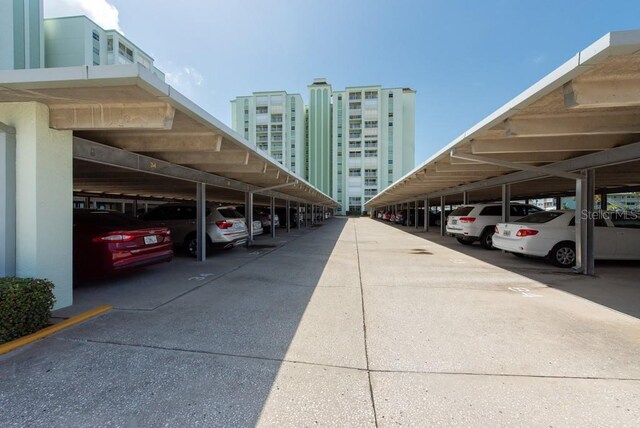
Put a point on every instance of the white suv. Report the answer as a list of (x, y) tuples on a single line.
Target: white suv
[(226, 227), (470, 223)]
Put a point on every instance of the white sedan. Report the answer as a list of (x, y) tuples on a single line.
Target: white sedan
[(552, 234)]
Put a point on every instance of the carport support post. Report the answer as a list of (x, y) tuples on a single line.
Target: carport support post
[(273, 217), (584, 223), (506, 203), (299, 217), (426, 215), (465, 198), (248, 211), (201, 229), (7, 201), (443, 217), (604, 204), (558, 202), (287, 208)]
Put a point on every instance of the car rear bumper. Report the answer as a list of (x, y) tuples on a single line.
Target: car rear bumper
[(521, 246), (142, 259)]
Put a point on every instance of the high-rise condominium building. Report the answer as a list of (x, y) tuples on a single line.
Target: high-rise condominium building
[(77, 40), (373, 142), (274, 122), (351, 144)]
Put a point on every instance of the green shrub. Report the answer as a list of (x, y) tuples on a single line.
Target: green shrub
[(25, 306)]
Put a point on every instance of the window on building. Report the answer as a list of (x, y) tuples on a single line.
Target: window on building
[(390, 123), (370, 181), (370, 124), (96, 48), (354, 172), (355, 154), (370, 172), (125, 51), (109, 44), (371, 95), (262, 110), (371, 153)]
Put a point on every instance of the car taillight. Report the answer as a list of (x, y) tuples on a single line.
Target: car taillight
[(114, 237), (526, 232), (467, 219), (224, 224)]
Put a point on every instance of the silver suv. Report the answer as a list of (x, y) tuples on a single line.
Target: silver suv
[(470, 223), (226, 227)]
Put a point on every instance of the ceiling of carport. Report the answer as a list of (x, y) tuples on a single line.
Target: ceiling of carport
[(126, 107), (590, 104)]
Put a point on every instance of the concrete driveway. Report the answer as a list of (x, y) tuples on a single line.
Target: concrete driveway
[(354, 323)]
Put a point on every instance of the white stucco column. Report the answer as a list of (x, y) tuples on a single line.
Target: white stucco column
[(44, 197)]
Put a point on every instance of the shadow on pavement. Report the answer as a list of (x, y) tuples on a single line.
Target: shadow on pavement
[(615, 284), (209, 354)]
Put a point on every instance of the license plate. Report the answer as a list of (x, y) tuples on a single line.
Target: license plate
[(153, 239), (454, 221), (506, 233)]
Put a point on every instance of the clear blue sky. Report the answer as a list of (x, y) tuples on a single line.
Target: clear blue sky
[(464, 58)]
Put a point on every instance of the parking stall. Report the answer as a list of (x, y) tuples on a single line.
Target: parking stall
[(573, 134), (118, 137)]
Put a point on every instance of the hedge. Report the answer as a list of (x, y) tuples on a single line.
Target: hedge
[(25, 306)]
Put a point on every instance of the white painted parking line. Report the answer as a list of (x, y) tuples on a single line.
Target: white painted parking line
[(458, 261), (200, 277), (525, 292)]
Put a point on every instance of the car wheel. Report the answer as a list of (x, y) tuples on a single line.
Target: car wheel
[(463, 240), (519, 255), (563, 254), (191, 245), (437, 222), (486, 239)]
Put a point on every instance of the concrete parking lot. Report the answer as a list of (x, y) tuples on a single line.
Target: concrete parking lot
[(353, 323)]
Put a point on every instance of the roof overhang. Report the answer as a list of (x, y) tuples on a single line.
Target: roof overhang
[(126, 107), (587, 106)]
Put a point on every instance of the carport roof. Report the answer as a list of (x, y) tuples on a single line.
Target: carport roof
[(590, 105), (128, 108)]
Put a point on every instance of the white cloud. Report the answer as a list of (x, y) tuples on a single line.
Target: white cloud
[(187, 80), (101, 12)]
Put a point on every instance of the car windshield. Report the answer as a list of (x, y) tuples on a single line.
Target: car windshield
[(460, 211), (541, 217), (106, 218), (229, 213)]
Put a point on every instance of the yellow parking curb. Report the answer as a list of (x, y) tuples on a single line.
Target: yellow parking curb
[(14, 344)]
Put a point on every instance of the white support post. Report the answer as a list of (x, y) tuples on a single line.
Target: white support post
[(426, 215), (443, 217), (7, 201), (506, 203), (287, 215), (273, 217), (248, 212), (201, 227), (585, 223)]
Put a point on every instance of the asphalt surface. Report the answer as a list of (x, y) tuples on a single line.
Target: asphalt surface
[(353, 323)]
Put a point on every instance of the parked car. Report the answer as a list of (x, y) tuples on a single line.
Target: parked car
[(108, 241), (470, 223), (434, 217), (258, 223), (551, 234), (225, 226)]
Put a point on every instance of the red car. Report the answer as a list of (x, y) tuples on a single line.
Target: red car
[(108, 241)]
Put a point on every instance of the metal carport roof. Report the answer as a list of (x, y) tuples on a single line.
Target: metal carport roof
[(135, 117), (590, 105)]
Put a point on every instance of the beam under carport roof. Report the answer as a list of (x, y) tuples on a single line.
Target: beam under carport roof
[(127, 107), (587, 111)]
